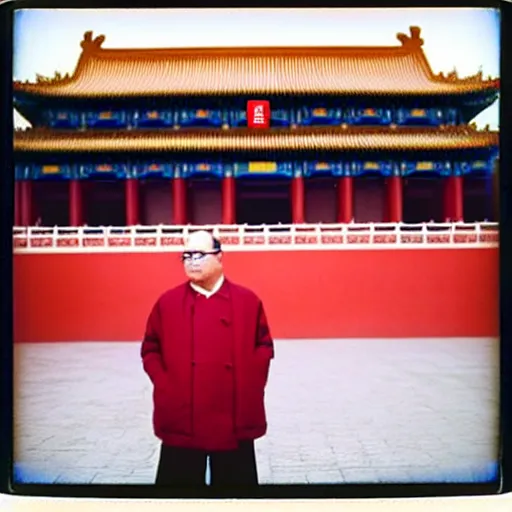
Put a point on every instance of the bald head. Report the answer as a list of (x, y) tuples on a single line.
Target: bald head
[(199, 241), (203, 259)]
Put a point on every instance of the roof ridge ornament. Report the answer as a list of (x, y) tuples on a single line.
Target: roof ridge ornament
[(453, 75), (89, 44), (412, 42)]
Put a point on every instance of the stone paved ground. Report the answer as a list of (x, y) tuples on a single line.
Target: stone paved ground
[(339, 411)]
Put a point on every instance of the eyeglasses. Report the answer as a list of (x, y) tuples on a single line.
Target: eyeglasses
[(196, 256)]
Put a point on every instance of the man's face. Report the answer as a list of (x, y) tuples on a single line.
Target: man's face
[(200, 260)]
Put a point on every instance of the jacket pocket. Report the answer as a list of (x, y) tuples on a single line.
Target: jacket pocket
[(171, 414), (261, 364), (254, 409)]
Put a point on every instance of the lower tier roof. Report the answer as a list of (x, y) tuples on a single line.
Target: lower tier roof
[(246, 140)]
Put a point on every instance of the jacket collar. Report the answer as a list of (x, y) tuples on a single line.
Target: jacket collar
[(221, 287)]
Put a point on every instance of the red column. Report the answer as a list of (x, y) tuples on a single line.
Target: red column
[(26, 213), (298, 202), (17, 205), (345, 199), (132, 202), (458, 199), (394, 201), (453, 199), (75, 203), (228, 200), (179, 201)]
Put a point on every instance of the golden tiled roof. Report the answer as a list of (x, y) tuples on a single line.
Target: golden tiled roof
[(247, 140), (401, 69)]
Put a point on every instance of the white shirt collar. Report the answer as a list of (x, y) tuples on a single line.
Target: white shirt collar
[(208, 293)]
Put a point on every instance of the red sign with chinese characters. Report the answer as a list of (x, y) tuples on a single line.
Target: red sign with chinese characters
[(258, 114)]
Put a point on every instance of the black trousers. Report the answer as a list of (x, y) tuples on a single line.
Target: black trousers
[(184, 467)]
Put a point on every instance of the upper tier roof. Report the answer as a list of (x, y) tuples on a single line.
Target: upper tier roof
[(361, 139), (401, 69)]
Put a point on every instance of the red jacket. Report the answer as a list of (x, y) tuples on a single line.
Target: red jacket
[(167, 359)]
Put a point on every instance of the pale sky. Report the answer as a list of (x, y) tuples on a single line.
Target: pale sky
[(46, 41)]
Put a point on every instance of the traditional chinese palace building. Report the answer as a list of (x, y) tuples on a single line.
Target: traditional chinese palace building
[(150, 136)]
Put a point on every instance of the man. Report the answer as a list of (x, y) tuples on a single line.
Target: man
[(207, 350)]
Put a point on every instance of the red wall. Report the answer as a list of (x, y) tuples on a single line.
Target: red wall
[(318, 294)]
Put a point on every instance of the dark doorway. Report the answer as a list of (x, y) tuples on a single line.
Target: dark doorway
[(104, 203), (155, 200), (271, 210), (321, 200), (423, 200), (369, 199), (263, 203), (204, 201), (51, 203), (478, 199)]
